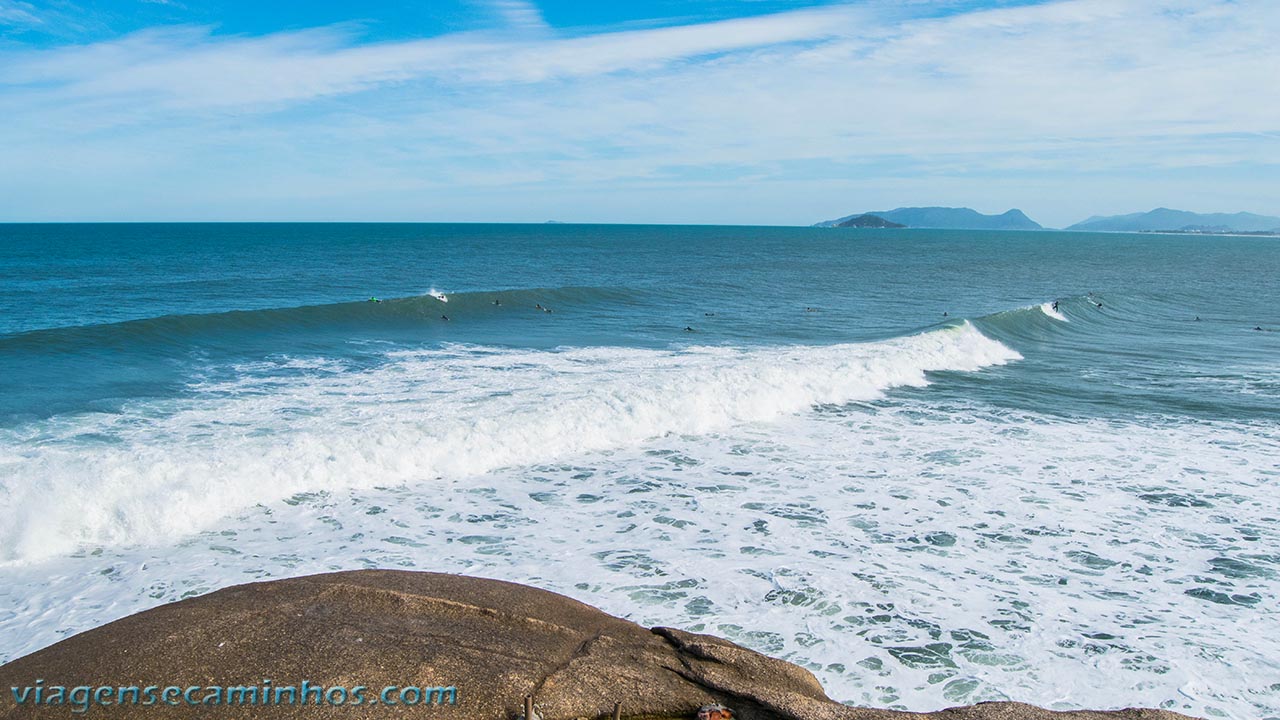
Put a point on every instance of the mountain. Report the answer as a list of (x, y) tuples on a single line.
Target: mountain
[(869, 221), (949, 218), (1180, 220)]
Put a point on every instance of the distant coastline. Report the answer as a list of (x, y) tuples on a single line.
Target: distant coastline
[(1159, 220)]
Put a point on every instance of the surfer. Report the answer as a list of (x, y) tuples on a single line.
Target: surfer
[(374, 299), (497, 302), (1197, 318), (708, 314), (444, 318), (1055, 305), (1257, 327), (538, 305), (1098, 304), (688, 329), (945, 314)]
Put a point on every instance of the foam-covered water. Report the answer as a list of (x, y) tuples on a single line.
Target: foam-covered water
[(423, 416), (1069, 507)]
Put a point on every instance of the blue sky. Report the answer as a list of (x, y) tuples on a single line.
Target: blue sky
[(715, 111)]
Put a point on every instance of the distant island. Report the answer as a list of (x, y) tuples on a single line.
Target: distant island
[(1181, 221), (1160, 220), (940, 218), (869, 221)]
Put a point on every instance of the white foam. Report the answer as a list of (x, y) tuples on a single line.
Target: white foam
[(163, 470), (816, 537)]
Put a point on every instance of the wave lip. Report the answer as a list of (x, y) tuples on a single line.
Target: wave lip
[(161, 471)]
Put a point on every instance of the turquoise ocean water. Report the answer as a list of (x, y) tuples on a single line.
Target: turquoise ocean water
[(880, 454)]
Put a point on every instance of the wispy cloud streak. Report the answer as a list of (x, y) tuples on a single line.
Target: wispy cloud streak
[(15, 12)]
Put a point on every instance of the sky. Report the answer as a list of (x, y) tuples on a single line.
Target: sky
[(697, 111)]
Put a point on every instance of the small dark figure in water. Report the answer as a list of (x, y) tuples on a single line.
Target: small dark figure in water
[(709, 314), (497, 302), (945, 313), (1197, 318), (374, 299), (688, 329), (444, 318), (1257, 327), (547, 310), (538, 305), (1055, 305), (809, 309), (1098, 304)]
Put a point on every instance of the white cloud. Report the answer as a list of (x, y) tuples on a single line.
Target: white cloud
[(186, 67), (15, 12), (1072, 89), (518, 14)]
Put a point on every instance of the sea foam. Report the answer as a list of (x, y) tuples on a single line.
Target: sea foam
[(914, 552), (161, 470)]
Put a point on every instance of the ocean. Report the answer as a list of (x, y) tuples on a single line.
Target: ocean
[(883, 455)]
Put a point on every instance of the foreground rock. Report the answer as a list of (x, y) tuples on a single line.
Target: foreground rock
[(495, 642)]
